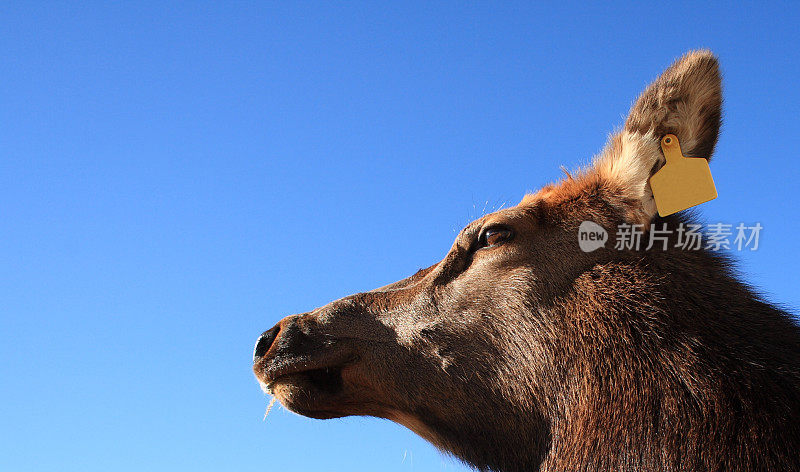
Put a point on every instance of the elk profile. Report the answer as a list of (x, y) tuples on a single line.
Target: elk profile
[(518, 351)]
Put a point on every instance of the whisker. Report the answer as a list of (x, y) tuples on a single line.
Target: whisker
[(269, 407)]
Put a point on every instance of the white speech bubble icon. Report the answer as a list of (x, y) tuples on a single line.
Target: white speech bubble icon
[(591, 236)]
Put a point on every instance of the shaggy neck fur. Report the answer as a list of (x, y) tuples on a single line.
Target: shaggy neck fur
[(676, 369)]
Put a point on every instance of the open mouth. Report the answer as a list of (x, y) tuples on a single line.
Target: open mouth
[(309, 387), (325, 379)]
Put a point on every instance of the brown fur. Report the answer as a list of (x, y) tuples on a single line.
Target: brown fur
[(533, 355)]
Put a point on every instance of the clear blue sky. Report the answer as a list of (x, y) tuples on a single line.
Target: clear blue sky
[(177, 178)]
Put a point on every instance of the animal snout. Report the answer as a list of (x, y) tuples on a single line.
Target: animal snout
[(289, 332), (265, 341)]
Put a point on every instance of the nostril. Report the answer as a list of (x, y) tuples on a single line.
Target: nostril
[(264, 342)]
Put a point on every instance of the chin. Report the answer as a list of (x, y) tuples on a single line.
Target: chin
[(315, 394)]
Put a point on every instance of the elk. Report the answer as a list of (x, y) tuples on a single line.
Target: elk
[(518, 351)]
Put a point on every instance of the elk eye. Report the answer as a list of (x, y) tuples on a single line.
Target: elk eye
[(495, 236)]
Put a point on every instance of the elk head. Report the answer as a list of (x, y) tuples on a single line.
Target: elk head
[(483, 352)]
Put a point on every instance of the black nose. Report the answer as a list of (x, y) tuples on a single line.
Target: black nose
[(264, 342)]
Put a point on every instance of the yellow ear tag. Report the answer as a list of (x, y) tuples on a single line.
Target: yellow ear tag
[(683, 182)]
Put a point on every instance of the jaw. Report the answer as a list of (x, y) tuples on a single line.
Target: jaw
[(320, 392), (309, 383), (316, 393)]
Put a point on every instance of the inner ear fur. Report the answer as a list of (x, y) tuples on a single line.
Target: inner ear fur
[(686, 100)]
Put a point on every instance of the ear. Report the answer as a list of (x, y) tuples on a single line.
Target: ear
[(685, 101)]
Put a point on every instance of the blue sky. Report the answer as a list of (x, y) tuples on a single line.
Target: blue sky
[(178, 177)]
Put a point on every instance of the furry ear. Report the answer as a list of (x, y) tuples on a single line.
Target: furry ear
[(686, 100)]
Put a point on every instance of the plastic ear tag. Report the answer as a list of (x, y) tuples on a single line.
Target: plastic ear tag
[(683, 182)]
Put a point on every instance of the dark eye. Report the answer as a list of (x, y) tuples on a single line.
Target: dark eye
[(495, 236)]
